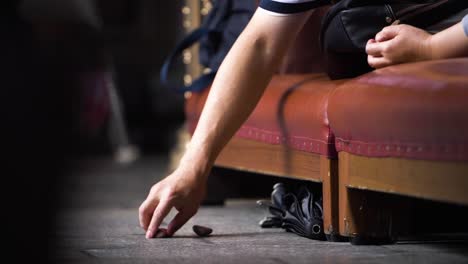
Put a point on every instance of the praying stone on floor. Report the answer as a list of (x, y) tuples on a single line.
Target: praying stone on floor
[(202, 231)]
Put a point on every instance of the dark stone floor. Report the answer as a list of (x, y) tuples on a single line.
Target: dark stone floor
[(99, 224)]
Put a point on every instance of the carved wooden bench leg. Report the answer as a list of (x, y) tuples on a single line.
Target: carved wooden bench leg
[(369, 217), (329, 176)]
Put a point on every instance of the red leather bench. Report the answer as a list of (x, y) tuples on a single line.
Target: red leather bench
[(399, 130)]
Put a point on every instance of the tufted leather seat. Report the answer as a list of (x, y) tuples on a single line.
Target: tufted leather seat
[(416, 111), (300, 100)]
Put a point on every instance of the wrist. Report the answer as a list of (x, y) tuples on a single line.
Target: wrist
[(197, 161)]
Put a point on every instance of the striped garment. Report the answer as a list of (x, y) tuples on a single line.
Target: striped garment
[(285, 7)]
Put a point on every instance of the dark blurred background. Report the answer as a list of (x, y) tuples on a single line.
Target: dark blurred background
[(78, 78)]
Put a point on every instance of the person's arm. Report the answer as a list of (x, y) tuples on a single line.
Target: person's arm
[(238, 86), (403, 43), (452, 42)]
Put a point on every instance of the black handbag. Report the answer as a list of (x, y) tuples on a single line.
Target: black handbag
[(349, 24), (295, 208)]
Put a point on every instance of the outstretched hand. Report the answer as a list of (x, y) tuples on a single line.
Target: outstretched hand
[(181, 190), (398, 44)]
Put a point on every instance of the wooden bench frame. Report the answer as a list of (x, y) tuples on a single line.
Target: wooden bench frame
[(278, 160), (349, 212), (431, 180)]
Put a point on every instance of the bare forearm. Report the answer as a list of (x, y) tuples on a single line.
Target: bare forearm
[(450, 43), (238, 86)]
